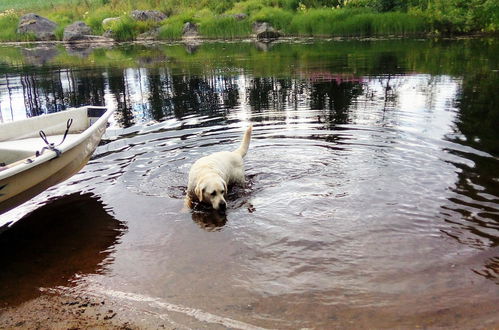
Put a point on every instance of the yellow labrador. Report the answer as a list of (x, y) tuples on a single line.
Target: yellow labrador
[(209, 176)]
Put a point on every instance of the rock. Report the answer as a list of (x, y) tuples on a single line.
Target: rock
[(77, 31), (190, 30), (263, 30), (108, 34), (108, 21), (40, 27), (149, 35), (240, 17), (148, 15)]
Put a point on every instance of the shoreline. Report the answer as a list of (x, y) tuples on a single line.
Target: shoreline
[(284, 39)]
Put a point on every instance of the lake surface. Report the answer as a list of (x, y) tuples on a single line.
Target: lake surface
[(372, 183)]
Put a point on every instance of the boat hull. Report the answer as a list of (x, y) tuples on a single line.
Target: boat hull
[(21, 187)]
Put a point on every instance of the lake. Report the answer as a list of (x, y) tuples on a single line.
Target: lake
[(372, 183)]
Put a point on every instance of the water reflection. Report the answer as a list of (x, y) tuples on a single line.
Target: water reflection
[(371, 175), (209, 220), (70, 236)]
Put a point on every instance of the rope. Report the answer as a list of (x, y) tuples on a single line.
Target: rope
[(52, 146)]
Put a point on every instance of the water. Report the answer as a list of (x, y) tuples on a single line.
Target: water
[(371, 196)]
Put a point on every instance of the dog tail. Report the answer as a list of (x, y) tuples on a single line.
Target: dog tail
[(243, 149)]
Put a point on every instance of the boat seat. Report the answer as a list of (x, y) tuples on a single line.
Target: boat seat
[(35, 144), (14, 150)]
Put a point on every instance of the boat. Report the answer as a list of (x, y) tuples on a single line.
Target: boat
[(39, 152)]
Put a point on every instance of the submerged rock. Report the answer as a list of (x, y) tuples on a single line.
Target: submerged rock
[(263, 30), (41, 27), (148, 15), (190, 30)]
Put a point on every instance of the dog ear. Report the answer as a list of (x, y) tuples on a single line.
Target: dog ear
[(199, 192)]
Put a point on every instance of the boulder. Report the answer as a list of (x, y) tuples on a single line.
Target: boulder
[(40, 27), (190, 30), (108, 34), (149, 35), (148, 15), (108, 21), (78, 31), (263, 30)]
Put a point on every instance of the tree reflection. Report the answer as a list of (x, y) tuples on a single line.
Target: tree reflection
[(474, 210)]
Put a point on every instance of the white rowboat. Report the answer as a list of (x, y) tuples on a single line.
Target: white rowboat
[(39, 152)]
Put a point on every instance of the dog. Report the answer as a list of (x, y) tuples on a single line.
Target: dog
[(210, 176)]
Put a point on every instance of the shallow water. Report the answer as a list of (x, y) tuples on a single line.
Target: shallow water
[(371, 196)]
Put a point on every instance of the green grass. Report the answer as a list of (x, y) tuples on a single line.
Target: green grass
[(34, 4), (171, 28), (224, 27), (95, 17), (127, 29), (355, 22), (8, 28), (293, 17), (277, 17)]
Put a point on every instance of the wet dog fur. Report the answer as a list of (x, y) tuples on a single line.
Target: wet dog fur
[(210, 176)]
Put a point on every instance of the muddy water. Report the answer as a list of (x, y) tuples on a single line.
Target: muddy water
[(371, 196)]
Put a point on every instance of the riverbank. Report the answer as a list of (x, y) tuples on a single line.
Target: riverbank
[(238, 19)]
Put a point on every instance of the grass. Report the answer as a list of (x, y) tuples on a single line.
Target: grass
[(355, 22), (24, 5), (224, 27), (126, 28), (171, 28), (8, 28), (95, 17), (277, 17), (293, 17)]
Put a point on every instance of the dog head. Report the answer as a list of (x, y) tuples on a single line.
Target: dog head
[(211, 189)]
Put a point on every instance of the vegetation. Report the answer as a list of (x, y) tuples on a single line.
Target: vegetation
[(293, 17)]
